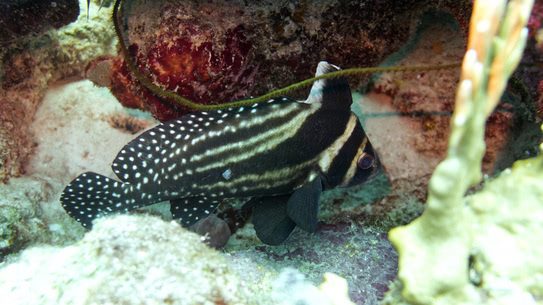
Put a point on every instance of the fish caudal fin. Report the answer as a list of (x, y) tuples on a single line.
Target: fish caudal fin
[(92, 195)]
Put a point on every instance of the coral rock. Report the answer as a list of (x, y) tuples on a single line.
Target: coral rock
[(19, 19), (124, 260), (221, 51)]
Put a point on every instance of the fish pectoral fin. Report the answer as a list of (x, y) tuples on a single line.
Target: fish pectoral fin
[(270, 220), (191, 209), (303, 205)]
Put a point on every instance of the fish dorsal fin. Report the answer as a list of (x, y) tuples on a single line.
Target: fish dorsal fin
[(157, 148), (330, 91)]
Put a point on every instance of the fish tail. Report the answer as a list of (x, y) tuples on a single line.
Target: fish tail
[(92, 195)]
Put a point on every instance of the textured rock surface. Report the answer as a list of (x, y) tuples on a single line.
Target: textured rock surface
[(426, 100), (28, 69), (350, 249), (125, 260), (23, 18), (291, 288), (73, 120), (28, 217), (214, 52)]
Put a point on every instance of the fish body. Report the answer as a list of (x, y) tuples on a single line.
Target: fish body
[(283, 153)]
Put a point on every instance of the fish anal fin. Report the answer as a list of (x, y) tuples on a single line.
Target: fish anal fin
[(190, 210), (270, 219), (303, 205)]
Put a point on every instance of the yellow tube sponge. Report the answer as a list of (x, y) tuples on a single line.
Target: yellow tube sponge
[(435, 249)]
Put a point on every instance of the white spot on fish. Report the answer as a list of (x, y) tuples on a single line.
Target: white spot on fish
[(227, 174)]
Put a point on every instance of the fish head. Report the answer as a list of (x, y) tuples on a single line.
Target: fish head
[(366, 165)]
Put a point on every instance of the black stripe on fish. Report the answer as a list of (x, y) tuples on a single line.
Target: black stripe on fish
[(343, 160), (270, 149)]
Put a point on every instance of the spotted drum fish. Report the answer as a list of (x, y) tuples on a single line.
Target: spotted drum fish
[(282, 153)]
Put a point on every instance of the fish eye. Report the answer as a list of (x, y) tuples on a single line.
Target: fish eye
[(366, 161)]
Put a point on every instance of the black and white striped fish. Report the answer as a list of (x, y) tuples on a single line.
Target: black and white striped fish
[(283, 153)]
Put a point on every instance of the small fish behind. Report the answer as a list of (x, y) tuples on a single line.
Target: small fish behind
[(283, 153)]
